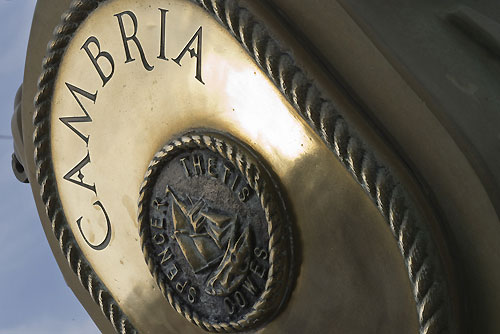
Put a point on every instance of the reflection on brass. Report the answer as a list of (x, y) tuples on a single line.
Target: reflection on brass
[(96, 128), (215, 233)]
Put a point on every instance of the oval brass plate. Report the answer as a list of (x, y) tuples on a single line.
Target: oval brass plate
[(136, 74)]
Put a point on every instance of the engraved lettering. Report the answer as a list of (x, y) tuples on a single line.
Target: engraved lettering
[(230, 307), (107, 238), (79, 119), (156, 222), (217, 229), (192, 295), (211, 167), (165, 255), (180, 287), (249, 286), (159, 239), (186, 170), (78, 168), (158, 202), (256, 178), (95, 59), (235, 182), (227, 172), (240, 299), (257, 269), (163, 14), (244, 194), (172, 272), (126, 39), (260, 253), (193, 53), (197, 165)]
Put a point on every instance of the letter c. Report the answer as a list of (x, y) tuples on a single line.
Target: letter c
[(107, 239)]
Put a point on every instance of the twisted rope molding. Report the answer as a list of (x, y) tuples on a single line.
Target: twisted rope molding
[(423, 265), (63, 33), (279, 248), (417, 248)]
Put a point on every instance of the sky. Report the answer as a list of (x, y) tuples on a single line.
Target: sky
[(34, 297)]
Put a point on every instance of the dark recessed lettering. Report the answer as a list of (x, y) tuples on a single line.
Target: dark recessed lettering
[(230, 307), (79, 119), (163, 13), (186, 170), (133, 38), (107, 239), (197, 165), (227, 172), (192, 295), (172, 272), (261, 253), (249, 286), (166, 255), (211, 167), (240, 299), (235, 182), (157, 223), (257, 269), (180, 287), (94, 59), (194, 53), (244, 194), (159, 239), (78, 168)]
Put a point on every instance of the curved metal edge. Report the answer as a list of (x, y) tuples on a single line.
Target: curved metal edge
[(417, 248), (280, 253), (70, 21), (423, 264)]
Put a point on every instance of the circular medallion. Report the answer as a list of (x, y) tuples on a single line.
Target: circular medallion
[(215, 233)]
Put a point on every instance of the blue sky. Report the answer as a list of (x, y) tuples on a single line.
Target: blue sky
[(33, 295)]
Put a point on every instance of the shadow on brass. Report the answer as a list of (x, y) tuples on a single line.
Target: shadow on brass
[(416, 244)]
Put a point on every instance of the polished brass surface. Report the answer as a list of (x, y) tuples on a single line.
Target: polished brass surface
[(351, 276), (47, 15), (347, 263), (402, 107)]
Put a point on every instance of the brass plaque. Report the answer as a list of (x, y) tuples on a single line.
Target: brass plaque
[(260, 208), (133, 77)]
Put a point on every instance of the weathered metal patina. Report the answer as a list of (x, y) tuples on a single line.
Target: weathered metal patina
[(215, 233)]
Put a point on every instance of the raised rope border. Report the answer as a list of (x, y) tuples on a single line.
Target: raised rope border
[(80, 266), (278, 229), (416, 246)]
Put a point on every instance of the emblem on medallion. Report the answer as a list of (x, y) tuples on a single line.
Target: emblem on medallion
[(215, 233), (205, 238)]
